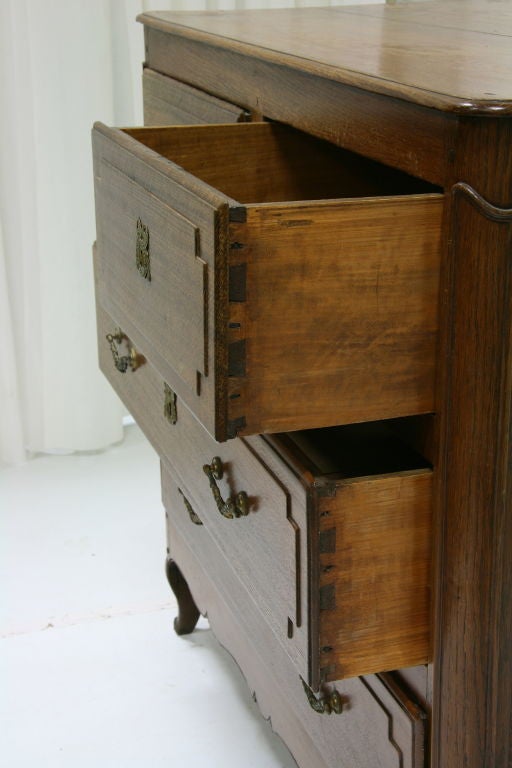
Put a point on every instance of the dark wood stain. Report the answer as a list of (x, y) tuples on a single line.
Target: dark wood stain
[(327, 597), (327, 541), (238, 282)]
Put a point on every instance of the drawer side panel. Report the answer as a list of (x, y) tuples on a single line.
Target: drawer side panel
[(375, 568), (341, 312)]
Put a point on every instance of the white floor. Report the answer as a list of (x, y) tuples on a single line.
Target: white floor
[(91, 672)]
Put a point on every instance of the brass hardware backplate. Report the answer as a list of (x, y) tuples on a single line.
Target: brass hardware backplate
[(170, 405), (331, 703), (142, 250)]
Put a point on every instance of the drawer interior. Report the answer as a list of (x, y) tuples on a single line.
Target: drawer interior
[(269, 162), (354, 450)]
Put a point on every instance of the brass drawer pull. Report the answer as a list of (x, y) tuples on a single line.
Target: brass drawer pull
[(324, 706), (122, 362), (232, 507)]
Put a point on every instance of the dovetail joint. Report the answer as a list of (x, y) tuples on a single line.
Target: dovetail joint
[(327, 597)]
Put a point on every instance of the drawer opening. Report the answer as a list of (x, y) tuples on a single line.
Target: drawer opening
[(270, 162), (357, 450)]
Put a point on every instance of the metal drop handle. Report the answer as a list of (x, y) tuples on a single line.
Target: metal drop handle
[(122, 362), (332, 703), (232, 507)]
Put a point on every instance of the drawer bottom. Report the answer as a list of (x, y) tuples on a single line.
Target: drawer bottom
[(378, 727)]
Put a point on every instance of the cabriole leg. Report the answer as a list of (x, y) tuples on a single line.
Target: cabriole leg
[(188, 613)]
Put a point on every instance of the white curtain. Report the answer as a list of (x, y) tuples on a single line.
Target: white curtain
[(63, 64)]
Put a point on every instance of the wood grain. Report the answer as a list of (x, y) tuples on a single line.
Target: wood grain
[(408, 136), (270, 546), (279, 164), (169, 102), (441, 61), (391, 50), (472, 706), (170, 307), (266, 545), (417, 681), (173, 318), (380, 726), (370, 513), (340, 320), (379, 570), (298, 362)]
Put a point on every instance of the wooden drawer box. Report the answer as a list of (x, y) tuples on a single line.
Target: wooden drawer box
[(333, 544), (275, 281), (368, 499), (379, 725)]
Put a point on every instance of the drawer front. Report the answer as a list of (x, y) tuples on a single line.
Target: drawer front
[(266, 543), (263, 540), (379, 726), (265, 315), (169, 102), (146, 219)]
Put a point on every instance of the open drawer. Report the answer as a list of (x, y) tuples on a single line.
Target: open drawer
[(275, 281), (328, 530), (369, 507)]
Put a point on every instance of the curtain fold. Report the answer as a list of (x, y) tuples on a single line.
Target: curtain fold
[(11, 431), (63, 65), (56, 78)]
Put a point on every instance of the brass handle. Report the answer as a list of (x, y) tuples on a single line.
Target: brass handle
[(232, 507), (326, 705), (122, 362)]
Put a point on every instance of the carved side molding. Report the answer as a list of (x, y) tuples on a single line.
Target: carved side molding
[(489, 210)]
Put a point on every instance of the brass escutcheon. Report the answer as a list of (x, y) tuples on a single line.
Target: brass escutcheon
[(142, 250), (232, 507), (170, 405)]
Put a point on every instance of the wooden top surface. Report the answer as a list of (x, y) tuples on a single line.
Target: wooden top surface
[(454, 55)]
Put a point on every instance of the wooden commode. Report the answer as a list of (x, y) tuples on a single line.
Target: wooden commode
[(304, 295)]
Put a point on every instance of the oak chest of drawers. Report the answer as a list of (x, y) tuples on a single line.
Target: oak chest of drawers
[(287, 292)]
